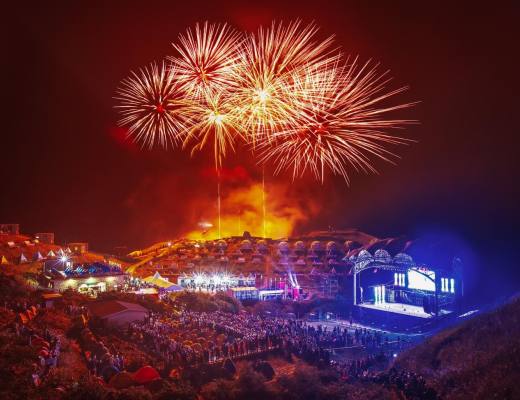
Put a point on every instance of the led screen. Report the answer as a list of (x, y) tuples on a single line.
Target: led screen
[(418, 280)]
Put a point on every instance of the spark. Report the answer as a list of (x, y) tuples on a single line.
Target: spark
[(289, 95), (340, 123), (214, 120), (150, 103), (264, 76), (206, 58)]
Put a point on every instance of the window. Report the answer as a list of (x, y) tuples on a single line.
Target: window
[(399, 279)]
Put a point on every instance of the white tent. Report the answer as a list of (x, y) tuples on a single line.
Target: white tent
[(22, 259), (37, 256), (160, 282), (51, 254), (61, 252)]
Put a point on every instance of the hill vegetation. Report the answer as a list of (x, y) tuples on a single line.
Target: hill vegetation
[(479, 359)]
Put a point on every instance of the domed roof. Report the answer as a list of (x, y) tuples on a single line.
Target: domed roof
[(403, 258), (261, 245), (283, 245), (245, 244), (316, 245), (222, 244), (331, 246), (364, 255), (382, 255)]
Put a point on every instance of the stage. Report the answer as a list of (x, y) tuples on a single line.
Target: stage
[(398, 308)]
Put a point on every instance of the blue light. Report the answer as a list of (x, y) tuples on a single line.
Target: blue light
[(421, 280)]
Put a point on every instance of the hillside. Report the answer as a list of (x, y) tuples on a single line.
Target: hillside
[(12, 247), (479, 359), (319, 250)]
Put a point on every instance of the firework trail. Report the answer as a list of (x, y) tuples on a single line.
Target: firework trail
[(150, 104)]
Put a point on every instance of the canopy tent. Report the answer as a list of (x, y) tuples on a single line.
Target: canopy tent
[(51, 254), (174, 288), (22, 259), (3, 261), (37, 256), (146, 374), (157, 280)]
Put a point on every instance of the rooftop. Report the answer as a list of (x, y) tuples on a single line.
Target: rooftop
[(104, 309)]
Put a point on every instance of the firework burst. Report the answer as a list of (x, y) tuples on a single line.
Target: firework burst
[(264, 77), (150, 103), (212, 120), (290, 96), (340, 123), (206, 59)]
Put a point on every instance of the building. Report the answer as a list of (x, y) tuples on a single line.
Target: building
[(118, 313), (48, 299), (78, 247), (243, 293), (10, 229), (45, 237), (85, 278), (397, 289), (90, 285), (271, 294)]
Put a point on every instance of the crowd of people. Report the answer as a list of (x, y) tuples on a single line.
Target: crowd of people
[(191, 338), (106, 365), (365, 367), (49, 354), (410, 384), (46, 344)]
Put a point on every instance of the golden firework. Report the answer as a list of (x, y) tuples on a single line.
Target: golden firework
[(212, 119), (150, 103), (340, 122), (283, 91), (268, 61), (206, 58)]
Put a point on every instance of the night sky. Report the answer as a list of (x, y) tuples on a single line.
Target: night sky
[(66, 169)]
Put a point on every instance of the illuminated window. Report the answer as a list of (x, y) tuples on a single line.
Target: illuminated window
[(452, 284), (421, 279), (398, 279)]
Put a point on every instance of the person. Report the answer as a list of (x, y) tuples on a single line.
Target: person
[(92, 364), (36, 377)]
